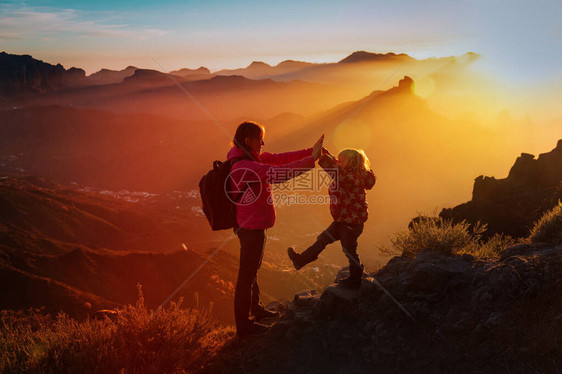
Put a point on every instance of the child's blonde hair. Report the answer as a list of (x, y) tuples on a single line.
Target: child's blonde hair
[(357, 159)]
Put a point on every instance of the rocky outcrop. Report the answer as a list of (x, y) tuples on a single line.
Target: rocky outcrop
[(106, 76), (21, 73), (511, 205), (470, 315)]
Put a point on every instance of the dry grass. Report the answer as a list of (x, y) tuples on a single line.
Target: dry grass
[(137, 340), (493, 247), (549, 228), (438, 234), (435, 233)]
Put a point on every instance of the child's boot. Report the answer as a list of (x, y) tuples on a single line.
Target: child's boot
[(308, 256), (355, 277), (295, 258)]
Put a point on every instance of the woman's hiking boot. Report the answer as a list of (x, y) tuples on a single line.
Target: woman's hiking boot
[(263, 313), (252, 329)]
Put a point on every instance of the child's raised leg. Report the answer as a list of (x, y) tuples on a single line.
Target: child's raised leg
[(328, 236)]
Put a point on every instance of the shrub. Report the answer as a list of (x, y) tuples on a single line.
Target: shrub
[(493, 247), (138, 340), (549, 228), (438, 234)]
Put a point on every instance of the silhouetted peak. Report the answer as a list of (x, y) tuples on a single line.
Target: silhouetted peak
[(143, 75), (77, 71), (522, 167), (406, 84), (104, 70), (288, 63), (148, 73), (203, 69), (186, 71), (27, 57), (107, 76), (361, 56), (258, 64)]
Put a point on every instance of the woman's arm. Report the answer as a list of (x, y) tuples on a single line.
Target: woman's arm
[(284, 158), (277, 173), (288, 157)]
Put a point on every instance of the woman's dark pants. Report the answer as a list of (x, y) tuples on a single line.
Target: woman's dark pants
[(247, 294)]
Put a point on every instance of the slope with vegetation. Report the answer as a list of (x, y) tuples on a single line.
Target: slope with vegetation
[(477, 307), (469, 314), (77, 249)]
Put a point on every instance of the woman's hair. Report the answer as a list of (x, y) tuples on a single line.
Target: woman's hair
[(357, 158), (247, 129)]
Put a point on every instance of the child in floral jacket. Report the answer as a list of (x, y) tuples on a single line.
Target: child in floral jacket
[(351, 176)]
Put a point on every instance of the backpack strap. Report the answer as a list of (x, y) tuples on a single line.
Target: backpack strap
[(232, 162), (239, 158)]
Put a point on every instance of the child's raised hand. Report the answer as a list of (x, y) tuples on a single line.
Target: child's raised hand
[(325, 152)]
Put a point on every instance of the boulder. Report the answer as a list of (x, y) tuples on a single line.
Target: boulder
[(306, 297)]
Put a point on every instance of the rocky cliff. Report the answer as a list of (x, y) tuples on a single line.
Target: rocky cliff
[(23, 73), (511, 205)]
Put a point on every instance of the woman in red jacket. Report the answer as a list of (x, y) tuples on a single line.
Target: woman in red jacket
[(251, 174)]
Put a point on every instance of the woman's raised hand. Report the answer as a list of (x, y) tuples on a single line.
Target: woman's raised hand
[(317, 148)]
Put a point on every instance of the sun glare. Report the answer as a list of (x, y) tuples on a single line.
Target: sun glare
[(425, 86)]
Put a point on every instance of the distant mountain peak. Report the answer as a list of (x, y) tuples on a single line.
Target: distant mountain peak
[(105, 70), (146, 74), (258, 64), (406, 84), (185, 72), (108, 76), (361, 56), (293, 63)]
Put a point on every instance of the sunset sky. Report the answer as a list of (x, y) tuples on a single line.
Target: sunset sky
[(519, 42)]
